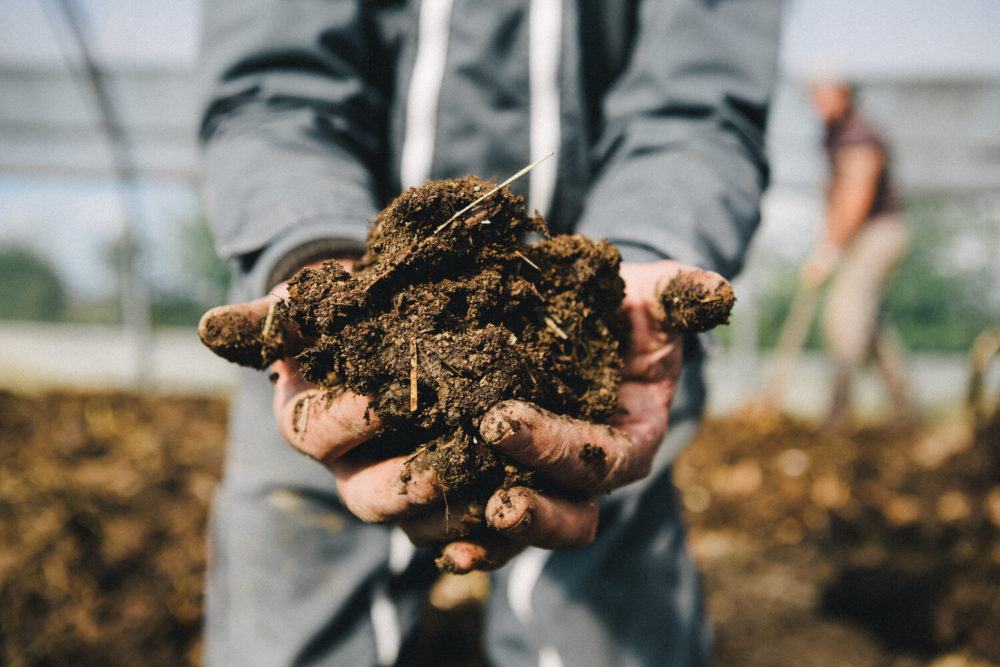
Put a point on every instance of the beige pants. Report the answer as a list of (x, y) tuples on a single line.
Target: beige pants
[(851, 318)]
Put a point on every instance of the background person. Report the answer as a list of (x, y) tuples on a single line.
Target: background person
[(864, 239)]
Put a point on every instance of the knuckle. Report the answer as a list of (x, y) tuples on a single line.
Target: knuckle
[(553, 455), (639, 469), (421, 492), (626, 465), (360, 507), (418, 485), (586, 532)]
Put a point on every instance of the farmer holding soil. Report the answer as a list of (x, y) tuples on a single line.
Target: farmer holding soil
[(317, 115), (863, 241)]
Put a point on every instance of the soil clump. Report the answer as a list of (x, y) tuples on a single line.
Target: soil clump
[(450, 312)]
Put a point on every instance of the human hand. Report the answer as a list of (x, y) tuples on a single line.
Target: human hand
[(817, 269), (588, 459), (325, 425)]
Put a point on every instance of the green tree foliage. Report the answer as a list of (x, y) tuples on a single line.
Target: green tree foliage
[(775, 303), (31, 287), (183, 278), (946, 290), (203, 280)]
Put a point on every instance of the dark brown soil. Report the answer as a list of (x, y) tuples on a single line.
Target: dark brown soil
[(447, 316), (886, 542), (444, 318), (449, 313)]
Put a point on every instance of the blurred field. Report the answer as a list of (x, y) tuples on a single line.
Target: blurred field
[(873, 547), (102, 549), (867, 548)]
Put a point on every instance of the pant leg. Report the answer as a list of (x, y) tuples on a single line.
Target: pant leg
[(851, 316), (852, 323), (293, 577), (632, 598)]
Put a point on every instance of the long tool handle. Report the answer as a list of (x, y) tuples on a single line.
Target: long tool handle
[(790, 342)]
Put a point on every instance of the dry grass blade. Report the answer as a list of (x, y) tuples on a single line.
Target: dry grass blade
[(493, 191), (303, 422), (413, 375), (522, 256), (268, 331), (550, 323)]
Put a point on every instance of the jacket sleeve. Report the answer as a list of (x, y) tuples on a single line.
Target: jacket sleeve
[(680, 165), (292, 132)]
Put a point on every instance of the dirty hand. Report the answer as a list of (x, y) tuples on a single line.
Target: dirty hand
[(328, 426), (587, 458), (590, 459)]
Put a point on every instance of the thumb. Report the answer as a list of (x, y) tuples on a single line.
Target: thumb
[(248, 334), (692, 300)]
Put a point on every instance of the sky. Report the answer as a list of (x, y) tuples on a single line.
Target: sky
[(892, 38), (864, 37), (144, 32), (76, 218)]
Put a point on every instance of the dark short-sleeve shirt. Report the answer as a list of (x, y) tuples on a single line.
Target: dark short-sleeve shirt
[(855, 130)]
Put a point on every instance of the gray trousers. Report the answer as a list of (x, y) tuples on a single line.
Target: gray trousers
[(295, 579)]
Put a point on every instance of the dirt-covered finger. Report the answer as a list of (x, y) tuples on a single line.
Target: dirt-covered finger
[(655, 363), (244, 333), (324, 424), (543, 520), (694, 300), (577, 454), (386, 491), (486, 552), (446, 522), (646, 411)]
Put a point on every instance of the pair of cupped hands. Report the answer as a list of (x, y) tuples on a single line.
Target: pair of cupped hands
[(379, 492)]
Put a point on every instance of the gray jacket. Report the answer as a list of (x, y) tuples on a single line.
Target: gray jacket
[(317, 112)]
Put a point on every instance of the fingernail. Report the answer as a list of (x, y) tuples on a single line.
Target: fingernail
[(509, 515), (461, 558), (493, 431), (445, 564), (519, 528)]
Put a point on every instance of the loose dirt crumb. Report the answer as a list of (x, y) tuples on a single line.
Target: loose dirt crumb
[(594, 455), (241, 340), (690, 307)]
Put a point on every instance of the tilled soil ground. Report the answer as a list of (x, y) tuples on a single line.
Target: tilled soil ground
[(874, 547), (102, 550), (866, 548)]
